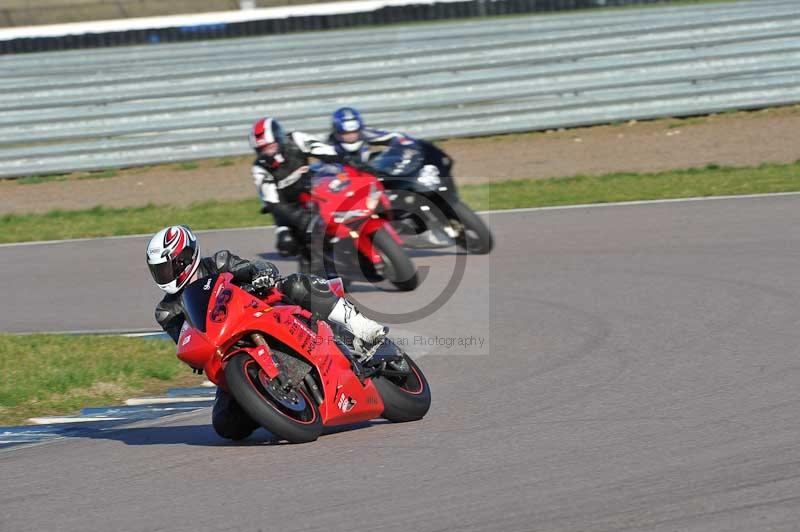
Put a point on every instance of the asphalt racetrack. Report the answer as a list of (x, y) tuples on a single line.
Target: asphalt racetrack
[(639, 371)]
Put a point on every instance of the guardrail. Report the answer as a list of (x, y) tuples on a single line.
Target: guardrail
[(122, 107), (270, 21)]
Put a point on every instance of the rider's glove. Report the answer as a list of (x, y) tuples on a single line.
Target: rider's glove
[(265, 275)]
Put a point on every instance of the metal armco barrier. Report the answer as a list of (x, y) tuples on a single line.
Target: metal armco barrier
[(118, 107), (414, 11)]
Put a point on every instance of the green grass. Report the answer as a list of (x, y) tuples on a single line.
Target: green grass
[(102, 221), (60, 374), (708, 181), (712, 180)]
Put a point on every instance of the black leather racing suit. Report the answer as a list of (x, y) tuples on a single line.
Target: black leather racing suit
[(308, 291), (281, 179)]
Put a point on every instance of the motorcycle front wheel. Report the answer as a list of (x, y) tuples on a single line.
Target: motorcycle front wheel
[(398, 267), (289, 414), (475, 236)]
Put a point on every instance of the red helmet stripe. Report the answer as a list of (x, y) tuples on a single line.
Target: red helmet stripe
[(169, 237), (262, 132), (180, 245), (175, 240)]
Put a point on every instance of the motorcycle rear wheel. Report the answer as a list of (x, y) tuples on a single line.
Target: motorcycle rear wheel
[(404, 398), (292, 416)]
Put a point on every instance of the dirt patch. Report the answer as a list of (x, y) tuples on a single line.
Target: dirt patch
[(733, 139)]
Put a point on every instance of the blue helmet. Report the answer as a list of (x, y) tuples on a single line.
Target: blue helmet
[(347, 126)]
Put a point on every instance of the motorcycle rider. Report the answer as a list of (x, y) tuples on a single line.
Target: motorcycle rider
[(280, 173), (352, 139), (173, 258)]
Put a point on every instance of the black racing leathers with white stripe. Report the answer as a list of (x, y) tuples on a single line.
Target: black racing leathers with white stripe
[(307, 291), (281, 179)]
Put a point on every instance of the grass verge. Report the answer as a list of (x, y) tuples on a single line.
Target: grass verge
[(59, 374), (711, 180), (102, 221)]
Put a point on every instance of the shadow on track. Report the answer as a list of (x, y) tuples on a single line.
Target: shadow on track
[(199, 435)]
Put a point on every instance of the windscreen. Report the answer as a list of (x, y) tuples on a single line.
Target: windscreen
[(401, 158), (195, 300)]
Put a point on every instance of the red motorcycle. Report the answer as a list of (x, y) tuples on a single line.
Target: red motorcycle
[(288, 371), (353, 237)]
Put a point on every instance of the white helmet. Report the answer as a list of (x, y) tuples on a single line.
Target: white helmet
[(173, 256)]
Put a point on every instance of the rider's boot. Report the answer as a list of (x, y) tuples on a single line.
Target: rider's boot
[(368, 333)]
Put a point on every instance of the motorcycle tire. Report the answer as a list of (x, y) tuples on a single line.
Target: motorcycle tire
[(298, 422), (400, 270), (475, 235), (404, 398)]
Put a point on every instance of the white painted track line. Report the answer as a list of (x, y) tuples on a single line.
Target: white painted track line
[(137, 401), (75, 419), (498, 211)]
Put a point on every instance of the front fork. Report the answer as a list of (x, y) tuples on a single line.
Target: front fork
[(262, 355)]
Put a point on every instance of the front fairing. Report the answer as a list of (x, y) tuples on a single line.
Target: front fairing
[(230, 309), (403, 157), (232, 313), (445, 190), (194, 346), (400, 166), (195, 350), (214, 309), (343, 199)]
